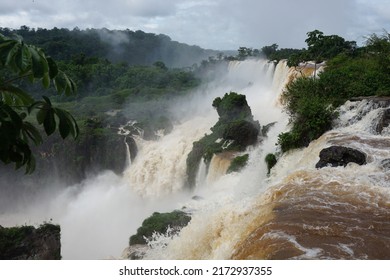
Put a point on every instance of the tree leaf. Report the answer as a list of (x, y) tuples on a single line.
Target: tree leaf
[(11, 61), (40, 65), (14, 116), (53, 68), (32, 133), (46, 80), (64, 128), (68, 124), (20, 97), (49, 122), (59, 83), (63, 83), (47, 100), (41, 116), (5, 47), (23, 59)]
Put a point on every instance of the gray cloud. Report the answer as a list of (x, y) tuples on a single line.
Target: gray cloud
[(217, 24)]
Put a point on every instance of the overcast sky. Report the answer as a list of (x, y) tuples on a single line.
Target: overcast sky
[(216, 24)]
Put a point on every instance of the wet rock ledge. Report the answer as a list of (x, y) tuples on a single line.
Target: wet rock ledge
[(29, 243), (340, 156)]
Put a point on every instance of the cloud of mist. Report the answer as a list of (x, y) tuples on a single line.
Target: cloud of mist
[(97, 216)]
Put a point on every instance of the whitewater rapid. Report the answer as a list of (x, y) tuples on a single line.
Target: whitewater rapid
[(297, 212)]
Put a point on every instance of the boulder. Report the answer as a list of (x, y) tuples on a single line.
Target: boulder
[(340, 156), (383, 121)]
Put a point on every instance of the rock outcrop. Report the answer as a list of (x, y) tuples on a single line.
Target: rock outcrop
[(160, 223), (340, 156), (235, 131), (383, 122), (29, 243)]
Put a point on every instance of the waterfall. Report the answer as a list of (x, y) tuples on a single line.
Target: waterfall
[(219, 164), (295, 212), (299, 212), (202, 174), (160, 167), (128, 155)]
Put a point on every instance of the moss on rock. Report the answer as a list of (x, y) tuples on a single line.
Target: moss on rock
[(29, 243), (234, 131), (238, 163), (270, 160), (159, 222)]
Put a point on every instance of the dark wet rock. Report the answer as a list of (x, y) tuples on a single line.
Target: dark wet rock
[(29, 243), (340, 156), (265, 129), (382, 101), (383, 121)]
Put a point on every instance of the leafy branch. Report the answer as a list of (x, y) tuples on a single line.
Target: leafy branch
[(16, 133)]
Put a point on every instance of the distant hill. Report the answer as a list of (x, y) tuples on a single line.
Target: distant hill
[(132, 47)]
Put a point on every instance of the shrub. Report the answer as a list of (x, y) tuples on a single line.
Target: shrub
[(270, 159), (238, 163), (311, 113), (159, 222)]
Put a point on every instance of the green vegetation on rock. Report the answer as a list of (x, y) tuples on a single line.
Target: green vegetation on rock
[(26, 242), (270, 160), (159, 223), (234, 131), (311, 102), (238, 163)]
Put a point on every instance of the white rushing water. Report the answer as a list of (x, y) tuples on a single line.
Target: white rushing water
[(321, 213), (98, 216)]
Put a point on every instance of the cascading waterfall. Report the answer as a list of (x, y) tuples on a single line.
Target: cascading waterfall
[(332, 213), (299, 212), (225, 197), (98, 216), (296, 212), (202, 173), (160, 167)]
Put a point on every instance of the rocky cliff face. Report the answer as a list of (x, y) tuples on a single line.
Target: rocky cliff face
[(29, 243)]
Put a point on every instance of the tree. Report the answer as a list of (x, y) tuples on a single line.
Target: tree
[(322, 47), (268, 51), (244, 52), (379, 47), (18, 62)]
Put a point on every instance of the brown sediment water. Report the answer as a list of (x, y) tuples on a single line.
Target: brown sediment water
[(313, 219)]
